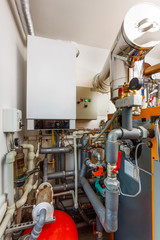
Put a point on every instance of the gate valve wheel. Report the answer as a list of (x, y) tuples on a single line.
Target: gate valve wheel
[(116, 170)]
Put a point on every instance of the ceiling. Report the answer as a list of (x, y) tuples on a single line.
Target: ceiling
[(89, 22)]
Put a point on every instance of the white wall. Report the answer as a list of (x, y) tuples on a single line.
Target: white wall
[(12, 75), (90, 62)]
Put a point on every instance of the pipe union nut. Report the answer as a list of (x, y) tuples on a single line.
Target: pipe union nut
[(112, 184), (144, 132)]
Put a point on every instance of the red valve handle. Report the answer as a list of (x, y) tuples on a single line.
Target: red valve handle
[(116, 170), (94, 230)]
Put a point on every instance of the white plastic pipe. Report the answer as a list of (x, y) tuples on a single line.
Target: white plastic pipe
[(8, 216), (3, 210), (76, 166), (10, 158), (2, 199), (29, 186), (3, 206)]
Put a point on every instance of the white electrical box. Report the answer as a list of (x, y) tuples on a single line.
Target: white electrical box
[(51, 81), (12, 120), (86, 107)]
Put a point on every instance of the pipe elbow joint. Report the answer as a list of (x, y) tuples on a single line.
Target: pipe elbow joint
[(30, 147), (115, 134)]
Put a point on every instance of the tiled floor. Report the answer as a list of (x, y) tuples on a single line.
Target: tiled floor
[(86, 233)]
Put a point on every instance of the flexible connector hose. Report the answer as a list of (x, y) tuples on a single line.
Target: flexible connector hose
[(38, 227), (116, 114)]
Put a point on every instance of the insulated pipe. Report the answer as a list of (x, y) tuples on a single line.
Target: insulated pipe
[(62, 174), (152, 70), (127, 118), (139, 33), (101, 81), (70, 186), (107, 215), (84, 154), (55, 150), (111, 213), (25, 16), (10, 158), (134, 134), (112, 144), (99, 229), (38, 227), (29, 186)]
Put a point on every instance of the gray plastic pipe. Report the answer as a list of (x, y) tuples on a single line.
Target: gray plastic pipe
[(99, 229), (107, 215), (69, 186), (45, 169), (10, 158), (127, 118), (38, 227), (55, 150), (112, 145), (62, 174)]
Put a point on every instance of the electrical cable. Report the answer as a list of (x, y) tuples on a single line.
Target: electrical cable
[(157, 136), (116, 114), (141, 169), (139, 179), (69, 142)]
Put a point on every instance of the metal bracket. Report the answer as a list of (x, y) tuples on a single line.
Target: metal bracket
[(23, 226)]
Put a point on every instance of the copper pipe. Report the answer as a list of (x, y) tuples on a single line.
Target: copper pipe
[(151, 70)]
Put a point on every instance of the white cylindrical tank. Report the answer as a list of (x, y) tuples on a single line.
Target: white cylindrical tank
[(139, 33)]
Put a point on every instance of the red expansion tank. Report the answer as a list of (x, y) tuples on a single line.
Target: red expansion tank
[(63, 229)]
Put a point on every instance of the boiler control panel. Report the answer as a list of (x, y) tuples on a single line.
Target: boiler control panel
[(86, 103)]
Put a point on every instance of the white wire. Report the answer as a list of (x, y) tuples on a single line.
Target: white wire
[(139, 179), (157, 136), (141, 169)]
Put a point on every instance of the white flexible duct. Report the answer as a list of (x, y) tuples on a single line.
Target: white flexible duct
[(139, 33), (25, 16), (29, 186)]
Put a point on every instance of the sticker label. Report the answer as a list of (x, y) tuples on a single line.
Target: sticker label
[(131, 170)]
